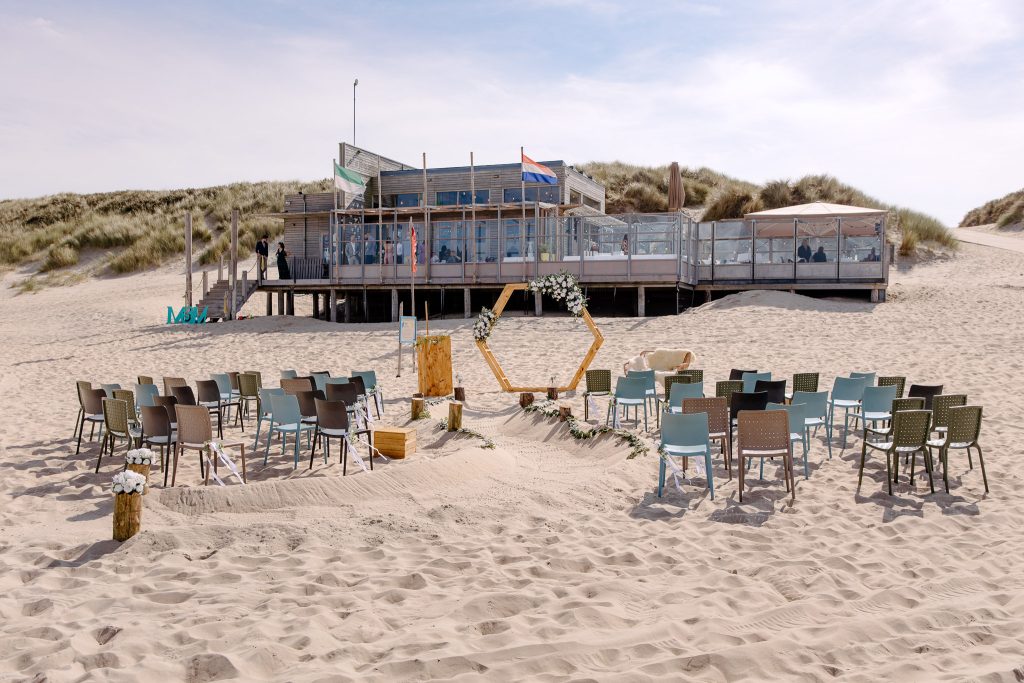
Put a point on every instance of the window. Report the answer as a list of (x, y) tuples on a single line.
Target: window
[(513, 195), (461, 198), (575, 197), (447, 198), (411, 199), (546, 193), (482, 197)]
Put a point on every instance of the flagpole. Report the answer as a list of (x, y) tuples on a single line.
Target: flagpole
[(522, 202), (472, 205), (414, 253)]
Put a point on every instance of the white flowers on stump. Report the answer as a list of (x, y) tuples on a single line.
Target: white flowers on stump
[(127, 487), (129, 482)]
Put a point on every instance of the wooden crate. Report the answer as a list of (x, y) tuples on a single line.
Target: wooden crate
[(395, 442), (434, 365)]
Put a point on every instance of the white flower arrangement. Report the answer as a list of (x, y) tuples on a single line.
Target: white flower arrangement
[(562, 287), (139, 456), (129, 482), (484, 324)]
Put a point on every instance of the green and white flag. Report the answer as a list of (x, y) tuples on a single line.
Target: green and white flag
[(348, 181)]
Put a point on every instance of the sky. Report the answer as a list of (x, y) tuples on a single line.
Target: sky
[(918, 103)]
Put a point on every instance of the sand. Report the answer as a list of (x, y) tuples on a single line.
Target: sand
[(542, 559)]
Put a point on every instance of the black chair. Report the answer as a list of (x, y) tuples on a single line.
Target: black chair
[(743, 400), (333, 422), (776, 389), (925, 391), (738, 374), (209, 397)]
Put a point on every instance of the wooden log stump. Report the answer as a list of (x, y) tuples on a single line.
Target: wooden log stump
[(144, 471), (564, 412), (454, 416), (127, 515), (419, 406), (460, 394), (552, 393), (525, 399)]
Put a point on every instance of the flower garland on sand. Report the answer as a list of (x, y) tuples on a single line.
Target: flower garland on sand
[(577, 431), (488, 443), (129, 482), (139, 456)]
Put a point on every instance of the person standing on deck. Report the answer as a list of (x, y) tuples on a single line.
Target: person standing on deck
[(804, 253), (262, 254), (283, 272)]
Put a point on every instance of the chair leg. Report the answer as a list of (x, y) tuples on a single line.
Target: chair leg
[(890, 472), (174, 473), (256, 441), (99, 458), (344, 456), (981, 461), (709, 471), (928, 466), (661, 475), (297, 438), (970, 462), (740, 469)]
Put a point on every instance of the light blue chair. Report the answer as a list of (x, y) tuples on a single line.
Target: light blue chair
[(680, 392), (264, 410), (373, 390), (145, 394), (109, 389), (320, 381), (223, 381), (335, 380), (869, 376), (629, 392), (289, 374), (286, 418), (846, 394), (875, 406), (798, 429), (815, 411), (686, 436), (750, 380), (650, 385)]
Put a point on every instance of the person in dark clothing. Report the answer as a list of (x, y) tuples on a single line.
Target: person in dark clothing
[(803, 254), (819, 256), (262, 254), (283, 272)]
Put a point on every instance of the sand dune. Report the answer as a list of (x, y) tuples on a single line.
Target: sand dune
[(542, 559)]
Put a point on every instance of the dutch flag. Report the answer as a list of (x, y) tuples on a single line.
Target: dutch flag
[(537, 173)]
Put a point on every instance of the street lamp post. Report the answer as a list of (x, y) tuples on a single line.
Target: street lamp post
[(354, 84)]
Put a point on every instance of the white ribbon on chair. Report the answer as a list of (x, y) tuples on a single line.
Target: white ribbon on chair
[(370, 452), (677, 471), (379, 400), (592, 406), (225, 460)]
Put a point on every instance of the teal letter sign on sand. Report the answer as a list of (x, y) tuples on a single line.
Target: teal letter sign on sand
[(187, 315)]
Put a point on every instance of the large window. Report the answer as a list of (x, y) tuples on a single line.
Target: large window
[(400, 200), (482, 197), (461, 198), (546, 193)]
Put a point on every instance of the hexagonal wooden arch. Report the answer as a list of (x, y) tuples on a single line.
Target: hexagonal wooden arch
[(499, 374)]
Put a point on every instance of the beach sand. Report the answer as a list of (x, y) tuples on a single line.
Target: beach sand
[(543, 559)]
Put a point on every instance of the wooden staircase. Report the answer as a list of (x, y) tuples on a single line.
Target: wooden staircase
[(217, 298)]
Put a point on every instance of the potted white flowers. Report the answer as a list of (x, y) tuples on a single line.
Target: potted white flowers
[(140, 460), (127, 487)]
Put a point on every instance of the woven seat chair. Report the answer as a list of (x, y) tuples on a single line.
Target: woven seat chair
[(248, 391), (693, 374), (894, 381), (170, 382), (598, 383), (259, 377), (168, 403), (940, 410), (765, 434), (962, 433), (184, 396), (736, 374), (91, 412), (686, 436), (726, 388), (115, 419), (128, 396), (144, 379), (80, 388), (210, 398), (806, 382), (296, 384), (156, 431), (907, 436), (332, 422), (718, 423), (194, 431), (925, 391)]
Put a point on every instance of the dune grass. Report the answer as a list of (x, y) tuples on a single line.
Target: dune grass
[(1005, 211), (135, 230)]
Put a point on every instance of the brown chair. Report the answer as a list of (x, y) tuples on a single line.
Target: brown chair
[(333, 422), (735, 374), (128, 396), (907, 436), (168, 403), (209, 398), (718, 423), (156, 431), (184, 396), (194, 431), (307, 405), (297, 384), (765, 434), (145, 379), (925, 391), (173, 382), (115, 419), (90, 410), (347, 393)]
